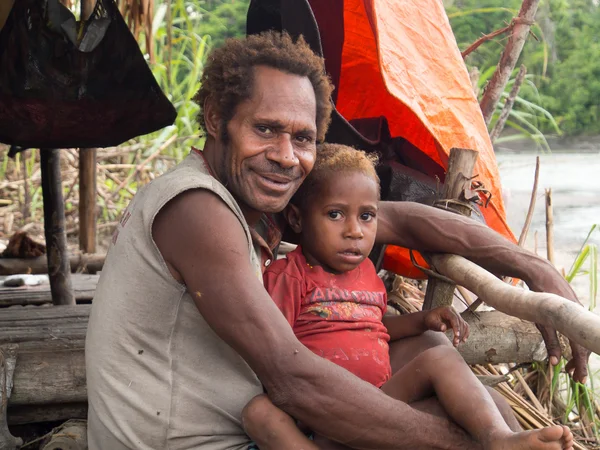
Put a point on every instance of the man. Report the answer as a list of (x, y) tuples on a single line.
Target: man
[(182, 334)]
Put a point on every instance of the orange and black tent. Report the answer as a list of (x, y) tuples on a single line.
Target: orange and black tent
[(402, 89)]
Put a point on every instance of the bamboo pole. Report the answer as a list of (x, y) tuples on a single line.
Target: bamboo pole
[(87, 177), (508, 106), (569, 318), (509, 58), (454, 197), (549, 226), (527, 224), (59, 271)]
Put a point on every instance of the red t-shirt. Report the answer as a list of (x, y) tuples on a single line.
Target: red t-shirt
[(336, 316)]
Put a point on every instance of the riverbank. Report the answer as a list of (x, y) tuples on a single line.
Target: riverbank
[(557, 144)]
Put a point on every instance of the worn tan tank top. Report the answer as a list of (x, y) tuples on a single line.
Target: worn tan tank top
[(158, 377)]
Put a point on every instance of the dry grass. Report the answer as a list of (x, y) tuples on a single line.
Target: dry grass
[(121, 171)]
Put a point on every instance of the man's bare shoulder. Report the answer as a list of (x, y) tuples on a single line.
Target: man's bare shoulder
[(198, 223)]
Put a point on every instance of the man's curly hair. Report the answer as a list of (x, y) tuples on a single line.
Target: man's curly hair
[(334, 158), (229, 73)]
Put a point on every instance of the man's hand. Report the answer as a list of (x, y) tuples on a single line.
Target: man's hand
[(433, 230), (445, 317), (577, 365), (550, 280)]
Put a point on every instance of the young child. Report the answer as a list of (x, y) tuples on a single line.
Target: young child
[(331, 295)]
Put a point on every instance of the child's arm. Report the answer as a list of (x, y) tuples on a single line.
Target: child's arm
[(438, 319)]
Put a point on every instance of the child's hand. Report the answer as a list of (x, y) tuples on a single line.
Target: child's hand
[(444, 317)]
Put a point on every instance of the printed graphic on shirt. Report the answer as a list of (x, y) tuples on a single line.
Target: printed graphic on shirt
[(344, 305)]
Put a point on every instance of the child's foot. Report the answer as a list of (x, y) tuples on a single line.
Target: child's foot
[(271, 428), (552, 438)]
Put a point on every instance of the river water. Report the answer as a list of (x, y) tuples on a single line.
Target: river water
[(575, 182)]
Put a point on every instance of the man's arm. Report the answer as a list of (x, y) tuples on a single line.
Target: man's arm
[(429, 229), (204, 245)]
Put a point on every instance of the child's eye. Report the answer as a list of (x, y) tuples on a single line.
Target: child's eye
[(367, 217), (334, 215)]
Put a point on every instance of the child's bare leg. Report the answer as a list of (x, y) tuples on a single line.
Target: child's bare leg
[(271, 428), (443, 372), (403, 351)]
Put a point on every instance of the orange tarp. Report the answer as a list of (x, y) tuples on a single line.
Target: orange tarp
[(400, 60)]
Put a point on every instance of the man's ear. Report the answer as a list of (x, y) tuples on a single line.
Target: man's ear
[(293, 217), (212, 121)]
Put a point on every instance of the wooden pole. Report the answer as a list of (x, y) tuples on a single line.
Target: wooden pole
[(87, 177), (509, 58), (549, 226), (510, 101), (567, 317), (59, 270), (457, 190), (8, 361)]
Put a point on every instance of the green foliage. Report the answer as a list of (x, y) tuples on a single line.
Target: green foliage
[(563, 59), (225, 19)]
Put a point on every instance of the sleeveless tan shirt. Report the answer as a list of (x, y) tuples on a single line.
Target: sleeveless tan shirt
[(158, 377)]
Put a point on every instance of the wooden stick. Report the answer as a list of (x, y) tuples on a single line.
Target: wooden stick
[(456, 187), (529, 392), (486, 37), (59, 271), (26, 193), (509, 58), (87, 177), (8, 359), (549, 226), (527, 224), (510, 101), (570, 318)]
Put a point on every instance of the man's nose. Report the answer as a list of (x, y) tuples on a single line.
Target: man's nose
[(354, 230), (283, 153)]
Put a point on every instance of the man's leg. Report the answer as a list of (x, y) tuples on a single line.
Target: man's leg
[(405, 350), (442, 371)]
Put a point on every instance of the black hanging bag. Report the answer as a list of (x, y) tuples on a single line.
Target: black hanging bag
[(68, 84)]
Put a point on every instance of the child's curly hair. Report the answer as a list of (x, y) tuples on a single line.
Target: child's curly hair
[(333, 158)]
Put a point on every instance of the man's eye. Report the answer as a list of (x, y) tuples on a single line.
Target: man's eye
[(367, 217), (304, 139), (264, 130), (335, 215)]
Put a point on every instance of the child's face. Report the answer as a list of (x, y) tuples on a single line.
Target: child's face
[(339, 224)]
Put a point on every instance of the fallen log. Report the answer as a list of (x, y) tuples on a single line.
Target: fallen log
[(569, 318), (84, 287), (71, 435), (90, 263), (497, 338)]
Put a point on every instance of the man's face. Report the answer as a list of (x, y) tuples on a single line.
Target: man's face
[(271, 144)]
